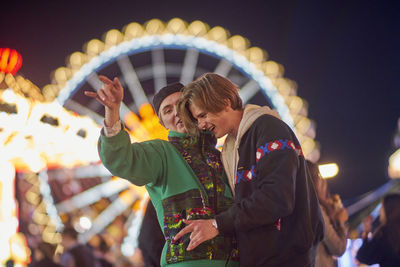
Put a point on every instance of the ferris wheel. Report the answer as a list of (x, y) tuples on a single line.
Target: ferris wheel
[(145, 58)]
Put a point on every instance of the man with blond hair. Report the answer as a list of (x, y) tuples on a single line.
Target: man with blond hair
[(276, 216)]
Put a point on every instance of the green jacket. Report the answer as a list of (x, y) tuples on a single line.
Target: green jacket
[(166, 169)]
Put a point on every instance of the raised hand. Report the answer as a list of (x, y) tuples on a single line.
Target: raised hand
[(110, 95), (342, 215)]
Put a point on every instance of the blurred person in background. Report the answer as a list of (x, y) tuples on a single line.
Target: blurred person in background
[(383, 247), (76, 254), (43, 256), (335, 217), (101, 250), (123, 261), (151, 238)]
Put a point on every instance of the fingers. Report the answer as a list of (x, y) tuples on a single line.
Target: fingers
[(199, 236), (117, 84), (108, 92), (112, 88), (102, 95), (201, 230), (183, 232), (194, 243), (90, 94), (95, 95), (105, 80)]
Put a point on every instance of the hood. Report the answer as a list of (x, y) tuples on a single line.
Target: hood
[(230, 155)]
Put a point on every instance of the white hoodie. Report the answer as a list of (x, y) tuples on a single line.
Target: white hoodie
[(230, 154)]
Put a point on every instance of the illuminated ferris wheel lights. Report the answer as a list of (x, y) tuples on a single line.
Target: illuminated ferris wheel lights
[(84, 224), (9, 96), (238, 43), (286, 88), (257, 56), (154, 26), (61, 75), (272, 69), (303, 125), (132, 30), (76, 60), (197, 36), (176, 26), (113, 37), (218, 34), (93, 47), (198, 28), (295, 104), (33, 160), (307, 146), (50, 92)]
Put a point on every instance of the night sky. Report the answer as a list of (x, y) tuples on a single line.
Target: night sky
[(344, 56)]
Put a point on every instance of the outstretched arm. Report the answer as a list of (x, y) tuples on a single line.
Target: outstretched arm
[(141, 163)]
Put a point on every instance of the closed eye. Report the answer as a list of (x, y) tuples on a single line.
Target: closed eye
[(202, 115), (167, 111)]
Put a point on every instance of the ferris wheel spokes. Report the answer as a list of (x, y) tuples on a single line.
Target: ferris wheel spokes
[(223, 67), (248, 90), (159, 69), (132, 81), (189, 66)]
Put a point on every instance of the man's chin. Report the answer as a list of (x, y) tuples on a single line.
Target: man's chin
[(181, 129)]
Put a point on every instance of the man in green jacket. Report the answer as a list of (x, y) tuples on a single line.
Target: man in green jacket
[(184, 177)]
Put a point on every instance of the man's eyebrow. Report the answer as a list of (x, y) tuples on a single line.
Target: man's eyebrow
[(167, 106), (198, 114)]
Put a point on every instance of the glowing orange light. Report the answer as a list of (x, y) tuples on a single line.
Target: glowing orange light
[(10, 60)]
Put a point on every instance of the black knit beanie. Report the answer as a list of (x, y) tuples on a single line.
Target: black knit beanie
[(163, 93)]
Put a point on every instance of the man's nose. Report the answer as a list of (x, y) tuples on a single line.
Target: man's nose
[(201, 124)]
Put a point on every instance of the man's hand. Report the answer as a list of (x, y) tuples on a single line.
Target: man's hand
[(342, 215), (110, 95), (201, 230)]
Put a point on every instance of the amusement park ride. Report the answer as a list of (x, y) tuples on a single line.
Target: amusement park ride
[(50, 170)]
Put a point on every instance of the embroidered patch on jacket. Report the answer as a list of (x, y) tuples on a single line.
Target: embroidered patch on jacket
[(190, 205), (277, 145), (280, 144)]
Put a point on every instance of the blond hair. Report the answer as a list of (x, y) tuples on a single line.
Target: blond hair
[(210, 92)]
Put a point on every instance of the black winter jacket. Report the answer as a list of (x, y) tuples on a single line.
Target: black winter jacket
[(276, 216)]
